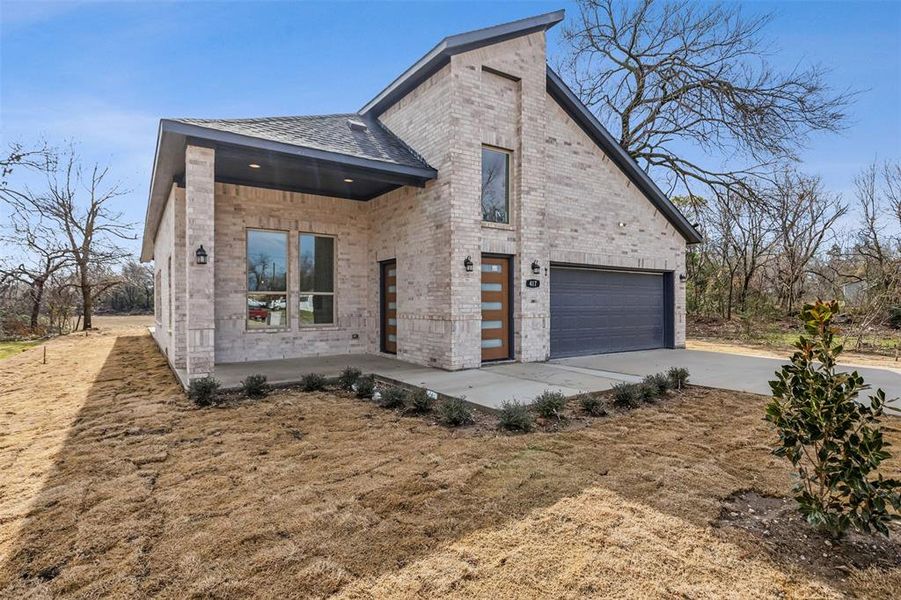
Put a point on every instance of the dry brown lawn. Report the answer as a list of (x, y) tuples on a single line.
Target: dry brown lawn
[(113, 485)]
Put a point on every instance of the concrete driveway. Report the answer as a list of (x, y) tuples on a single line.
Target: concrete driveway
[(713, 369)]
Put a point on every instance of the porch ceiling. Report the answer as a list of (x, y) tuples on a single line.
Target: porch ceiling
[(285, 172), (281, 165)]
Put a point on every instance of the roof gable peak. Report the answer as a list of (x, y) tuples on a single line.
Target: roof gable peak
[(438, 56)]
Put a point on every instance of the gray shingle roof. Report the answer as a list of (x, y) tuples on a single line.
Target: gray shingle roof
[(330, 133)]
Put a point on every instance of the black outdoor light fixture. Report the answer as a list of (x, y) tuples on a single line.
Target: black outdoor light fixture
[(467, 263), (200, 255), (536, 268), (682, 276)]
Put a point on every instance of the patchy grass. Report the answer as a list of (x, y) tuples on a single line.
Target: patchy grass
[(114, 484), (8, 349)]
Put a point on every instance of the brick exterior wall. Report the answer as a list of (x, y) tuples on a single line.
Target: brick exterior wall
[(164, 246), (567, 200), (168, 258), (501, 102), (240, 208), (199, 279), (415, 227), (588, 197)]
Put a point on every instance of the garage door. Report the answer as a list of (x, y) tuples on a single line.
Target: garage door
[(593, 312)]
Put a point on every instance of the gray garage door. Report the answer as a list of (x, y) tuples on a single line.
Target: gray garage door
[(593, 312)]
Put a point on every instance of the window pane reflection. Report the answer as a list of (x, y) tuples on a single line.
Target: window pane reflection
[(267, 310)]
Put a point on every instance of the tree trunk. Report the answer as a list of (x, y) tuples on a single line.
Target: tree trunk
[(86, 300), (37, 293)]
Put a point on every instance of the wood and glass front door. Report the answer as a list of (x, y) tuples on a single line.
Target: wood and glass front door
[(495, 308), (389, 307)]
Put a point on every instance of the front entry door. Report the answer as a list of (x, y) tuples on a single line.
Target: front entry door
[(495, 308), (389, 307)]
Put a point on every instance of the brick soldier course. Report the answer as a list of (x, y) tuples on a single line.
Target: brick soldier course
[(413, 157)]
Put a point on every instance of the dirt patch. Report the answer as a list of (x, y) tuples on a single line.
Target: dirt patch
[(718, 335), (113, 485), (850, 359), (779, 529)]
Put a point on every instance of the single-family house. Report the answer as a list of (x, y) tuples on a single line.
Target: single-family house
[(474, 210)]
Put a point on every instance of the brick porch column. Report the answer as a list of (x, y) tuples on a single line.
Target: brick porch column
[(199, 211)]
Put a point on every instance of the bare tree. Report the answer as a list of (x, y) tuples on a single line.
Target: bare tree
[(135, 292), (752, 237), (891, 179), (804, 215), (42, 254), (874, 189), (41, 157), (661, 73), (77, 204)]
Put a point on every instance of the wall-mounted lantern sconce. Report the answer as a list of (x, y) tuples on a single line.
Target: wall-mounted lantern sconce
[(467, 263), (536, 268), (683, 277), (200, 255)]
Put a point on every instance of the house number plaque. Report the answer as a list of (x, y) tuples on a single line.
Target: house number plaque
[(532, 283)]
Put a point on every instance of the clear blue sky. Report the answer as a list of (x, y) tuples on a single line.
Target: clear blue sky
[(104, 73)]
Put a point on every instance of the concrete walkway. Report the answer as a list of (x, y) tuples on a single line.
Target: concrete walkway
[(491, 385), (488, 387)]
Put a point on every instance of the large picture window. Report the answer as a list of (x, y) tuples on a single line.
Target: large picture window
[(495, 186), (317, 279), (267, 279)]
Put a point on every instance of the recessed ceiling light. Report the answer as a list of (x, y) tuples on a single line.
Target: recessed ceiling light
[(254, 166), (348, 180)]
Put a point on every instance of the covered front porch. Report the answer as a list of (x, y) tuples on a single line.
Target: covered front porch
[(261, 232)]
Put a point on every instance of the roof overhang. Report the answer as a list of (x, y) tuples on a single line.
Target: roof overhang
[(580, 113), (439, 56), (281, 166)]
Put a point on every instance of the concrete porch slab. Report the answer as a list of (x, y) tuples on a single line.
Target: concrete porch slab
[(488, 387)]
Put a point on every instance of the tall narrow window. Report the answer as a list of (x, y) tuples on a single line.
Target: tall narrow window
[(317, 279), (267, 279), (495, 186)]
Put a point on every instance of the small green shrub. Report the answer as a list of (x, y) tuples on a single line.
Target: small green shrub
[(203, 391), (515, 417), (348, 378), (454, 413), (255, 386), (678, 377), (626, 395), (660, 381), (312, 382), (592, 405), (648, 391), (393, 397), (550, 404), (833, 440), (421, 402), (365, 386)]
